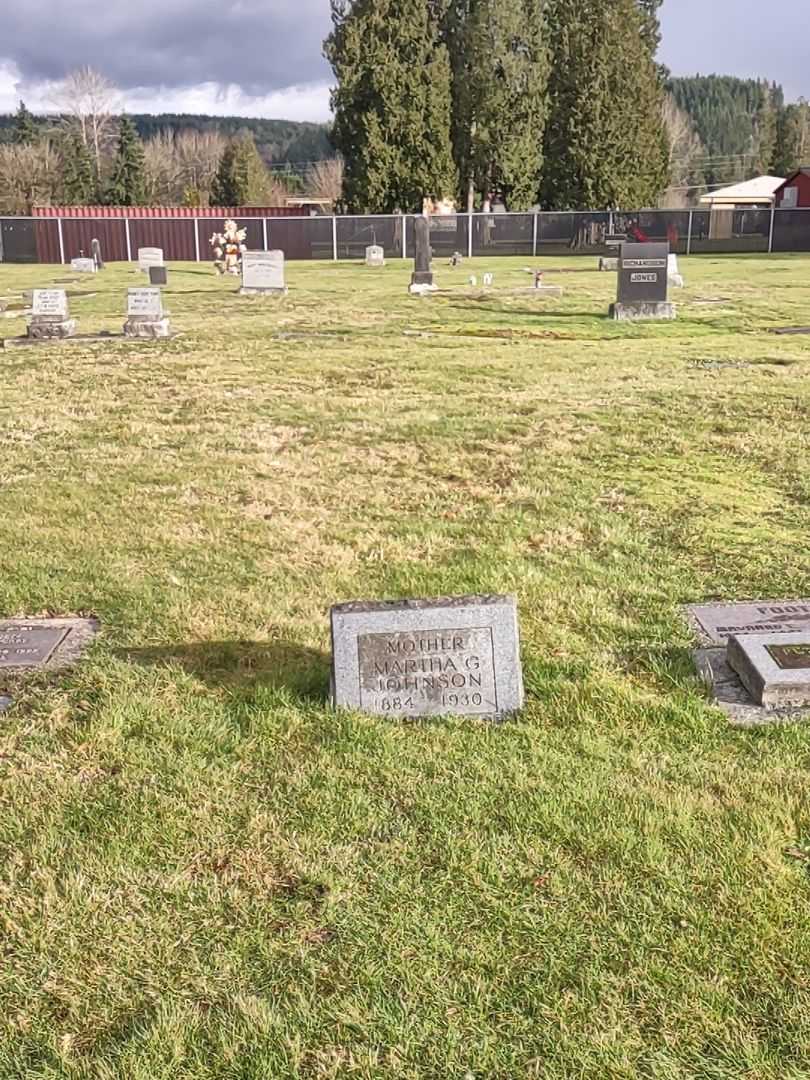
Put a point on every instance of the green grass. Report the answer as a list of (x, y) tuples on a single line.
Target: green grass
[(205, 874)]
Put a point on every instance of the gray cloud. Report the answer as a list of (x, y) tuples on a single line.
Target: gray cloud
[(260, 45), (739, 37)]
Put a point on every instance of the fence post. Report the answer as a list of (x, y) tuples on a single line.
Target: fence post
[(770, 233), (61, 241), (197, 238), (469, 235), (689, 233), (534, 235), (334, 238), (129, 241), (264, 234), (404, 236)]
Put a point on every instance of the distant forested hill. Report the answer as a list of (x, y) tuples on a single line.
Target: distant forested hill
[(737, 121), (278, 141)]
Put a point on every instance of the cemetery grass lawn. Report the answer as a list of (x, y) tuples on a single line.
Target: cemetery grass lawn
[(206, 874)]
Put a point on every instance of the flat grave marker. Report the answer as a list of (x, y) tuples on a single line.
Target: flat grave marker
[(453, 656), (716, 623), (43, 643)]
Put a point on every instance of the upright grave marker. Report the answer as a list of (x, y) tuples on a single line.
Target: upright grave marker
[(643, 283), (158, 275), (83, 266), (263, 273), (451, 656), (50, 317), (145, 316), (149, 256), (375, 255), (422, 277), (98, 259)]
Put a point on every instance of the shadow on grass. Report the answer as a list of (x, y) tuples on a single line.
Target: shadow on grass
[(245, 666)]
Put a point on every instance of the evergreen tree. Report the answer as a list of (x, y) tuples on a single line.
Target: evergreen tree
[(605, 144), (792, 148), (78, 179), (392, 103), (126, 186), (500, 74), (25, 127), (241, 179), (651, 27)]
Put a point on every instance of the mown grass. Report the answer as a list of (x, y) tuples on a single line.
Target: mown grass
[(206, 874)]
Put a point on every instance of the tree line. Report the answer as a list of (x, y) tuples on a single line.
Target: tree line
[(550, 102), (730, 129), (88, 154)]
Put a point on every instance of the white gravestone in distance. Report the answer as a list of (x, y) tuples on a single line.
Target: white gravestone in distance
[(673, 273), (149, 256), (50, 317), (83, 266), (145, 317), (263, 273), (375, 255)]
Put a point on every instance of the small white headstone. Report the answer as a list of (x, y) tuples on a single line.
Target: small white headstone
[(149, 256), (51, 303), (375, 255), (263, 271), (144, 304), (83, 266), (473, 279), (673, 273), (488, 279)]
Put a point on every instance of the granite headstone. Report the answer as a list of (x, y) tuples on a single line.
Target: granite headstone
[(50, 316), (643, 283), (422, 276), (263, 273), (145, 315)]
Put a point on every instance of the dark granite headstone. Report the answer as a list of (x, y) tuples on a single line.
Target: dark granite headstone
[(422, 277), (95, 247), (158, 275), (643, 283)]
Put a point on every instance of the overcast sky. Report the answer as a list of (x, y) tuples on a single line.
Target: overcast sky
[(263, 57)]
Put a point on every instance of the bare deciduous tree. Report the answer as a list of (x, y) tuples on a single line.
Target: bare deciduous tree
[(182, 165), (325, 179), (89, 102), (30, 176), (685, 154)]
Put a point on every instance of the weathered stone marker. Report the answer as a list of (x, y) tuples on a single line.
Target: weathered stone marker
[(38, 643), (50, 317), (451, 656), (83, 266), (774, 668), (145, 317), (716, 623), (158, 275), (263, 273), (422, 277), (643, 283), (149, 256), (95, 247), (674, 275), (375, 255)]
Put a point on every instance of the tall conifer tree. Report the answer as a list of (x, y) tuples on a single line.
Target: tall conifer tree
[(126, 187), (500, 74), (392, 103), (78, 178), (605, 144), (25, 127)]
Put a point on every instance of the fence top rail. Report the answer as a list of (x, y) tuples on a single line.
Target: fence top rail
[(206, 215)]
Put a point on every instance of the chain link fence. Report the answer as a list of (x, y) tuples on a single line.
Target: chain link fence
[(689, 232)]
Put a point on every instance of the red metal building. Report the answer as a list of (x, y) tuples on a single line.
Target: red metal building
[(794, 194)]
